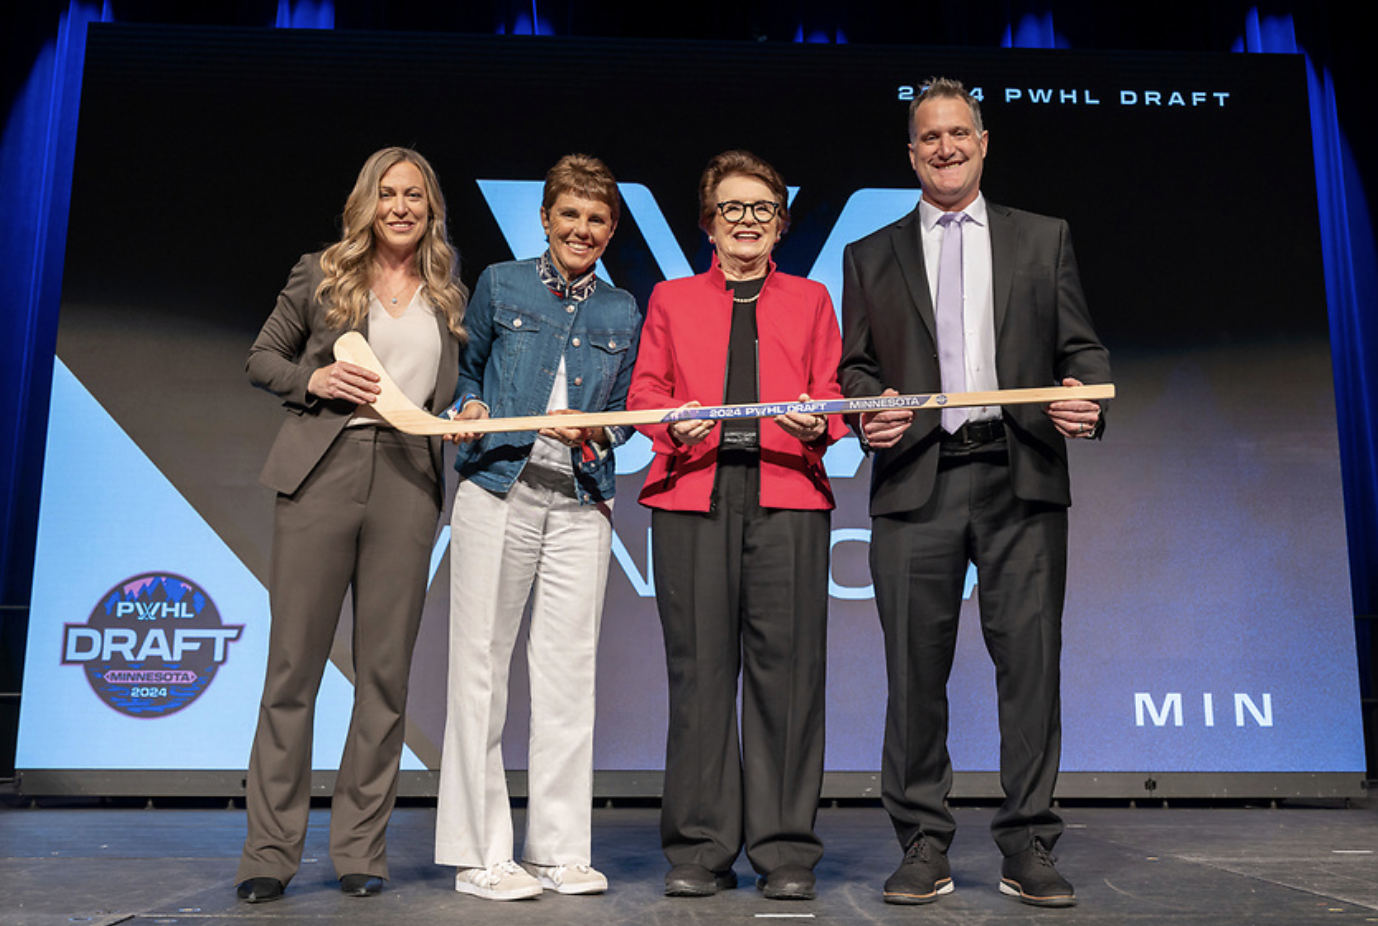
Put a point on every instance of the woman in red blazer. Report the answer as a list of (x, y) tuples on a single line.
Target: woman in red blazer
[(740, 540)]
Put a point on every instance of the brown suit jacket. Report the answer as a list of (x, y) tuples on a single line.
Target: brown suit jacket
[(295, 342)]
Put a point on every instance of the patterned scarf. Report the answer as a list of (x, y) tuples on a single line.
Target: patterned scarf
[(579, 290)]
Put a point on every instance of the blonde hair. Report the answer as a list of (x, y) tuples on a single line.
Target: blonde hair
[(348, 264)]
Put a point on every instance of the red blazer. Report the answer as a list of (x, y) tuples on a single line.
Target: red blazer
[(683, 357)]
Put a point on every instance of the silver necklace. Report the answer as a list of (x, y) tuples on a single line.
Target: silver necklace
[(406, 285)]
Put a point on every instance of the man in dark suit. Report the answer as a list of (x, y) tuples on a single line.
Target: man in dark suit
[(963, 295)]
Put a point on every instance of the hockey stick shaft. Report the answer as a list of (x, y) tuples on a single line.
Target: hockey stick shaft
[(399, 411)]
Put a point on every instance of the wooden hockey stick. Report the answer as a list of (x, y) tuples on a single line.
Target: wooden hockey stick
[(403, 414)]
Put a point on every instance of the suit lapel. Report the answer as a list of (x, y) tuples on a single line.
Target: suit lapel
[(1004, 240), (908, 244)]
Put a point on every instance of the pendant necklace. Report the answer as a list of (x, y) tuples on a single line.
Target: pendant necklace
[(406, 284)]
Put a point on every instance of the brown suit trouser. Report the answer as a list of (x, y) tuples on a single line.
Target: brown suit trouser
[(366, 517)]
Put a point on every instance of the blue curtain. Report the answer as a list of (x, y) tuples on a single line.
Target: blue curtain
[(36, 155), (1348, 249)]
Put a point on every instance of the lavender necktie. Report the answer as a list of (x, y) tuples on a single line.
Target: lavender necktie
[(948, 314)]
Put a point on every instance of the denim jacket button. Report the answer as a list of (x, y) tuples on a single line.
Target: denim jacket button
[(516, 323), (575, 342), (569, 309), (578, 381)]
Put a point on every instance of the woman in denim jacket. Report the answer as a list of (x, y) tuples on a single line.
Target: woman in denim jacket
[(533, 519)]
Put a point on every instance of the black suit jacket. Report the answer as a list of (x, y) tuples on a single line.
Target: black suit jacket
[(1043, 333), (295, 342)]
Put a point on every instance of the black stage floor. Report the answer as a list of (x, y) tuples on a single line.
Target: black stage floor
[(1174, 866)]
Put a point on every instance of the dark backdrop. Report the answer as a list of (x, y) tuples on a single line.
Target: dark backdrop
[(44, 45)]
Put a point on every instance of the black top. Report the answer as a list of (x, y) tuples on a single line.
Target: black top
[(743, 384)]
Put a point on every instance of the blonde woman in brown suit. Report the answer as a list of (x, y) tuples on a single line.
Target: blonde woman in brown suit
[(356, 509)]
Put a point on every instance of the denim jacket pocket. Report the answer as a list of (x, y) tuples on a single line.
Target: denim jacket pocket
[(612, 349), (518, 321), (517, 333), (608, 355)]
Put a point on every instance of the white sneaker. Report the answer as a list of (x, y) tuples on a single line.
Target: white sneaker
[(503, 881), (568, 879)]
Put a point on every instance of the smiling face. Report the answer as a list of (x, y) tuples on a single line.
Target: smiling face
[(947, 153), (403, 209), (744, 247), (579, 230)]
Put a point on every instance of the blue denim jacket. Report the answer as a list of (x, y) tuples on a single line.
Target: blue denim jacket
[(518, 330)]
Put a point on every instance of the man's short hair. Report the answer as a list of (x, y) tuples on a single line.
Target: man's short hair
[(938, 88)]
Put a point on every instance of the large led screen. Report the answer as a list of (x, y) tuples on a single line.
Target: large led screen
[(1208, 625)]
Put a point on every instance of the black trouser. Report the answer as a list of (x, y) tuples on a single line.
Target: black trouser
[(919, 562), (743, 589)]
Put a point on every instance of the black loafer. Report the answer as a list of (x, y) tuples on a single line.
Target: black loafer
[(788, 882), (260, 890), (697, 881), (361, 885)]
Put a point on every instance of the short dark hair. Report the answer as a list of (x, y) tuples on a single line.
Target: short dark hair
[(730, 164), (945, 88), (583, 175)]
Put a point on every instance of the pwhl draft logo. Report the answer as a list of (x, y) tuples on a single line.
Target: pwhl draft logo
[(152, 645)]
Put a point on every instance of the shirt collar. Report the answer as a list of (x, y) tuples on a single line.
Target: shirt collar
[(578, 290), (929, 214)]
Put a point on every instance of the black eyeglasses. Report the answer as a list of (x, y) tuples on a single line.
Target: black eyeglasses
[(734, 211)]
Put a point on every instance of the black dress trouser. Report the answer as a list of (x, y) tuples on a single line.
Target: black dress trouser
[(743, 589), (919, 563)]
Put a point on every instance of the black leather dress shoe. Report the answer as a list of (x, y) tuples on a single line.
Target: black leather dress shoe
[(260, 890), (788, 882), (361, 885), (697, 881)]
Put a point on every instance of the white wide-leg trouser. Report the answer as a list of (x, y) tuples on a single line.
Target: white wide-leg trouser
[(537, 543)]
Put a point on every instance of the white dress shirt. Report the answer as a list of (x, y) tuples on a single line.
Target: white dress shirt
[(978, 294)]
